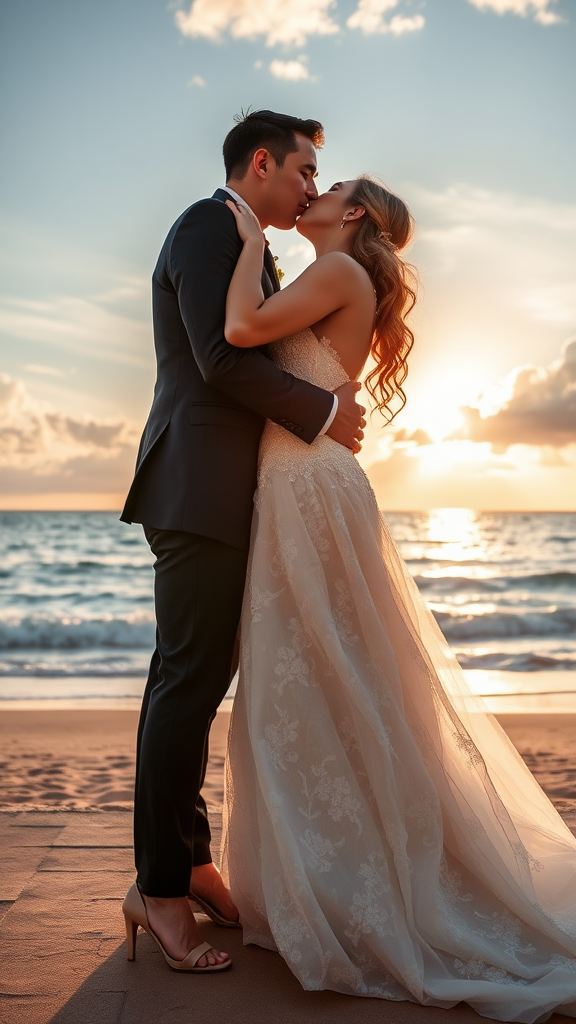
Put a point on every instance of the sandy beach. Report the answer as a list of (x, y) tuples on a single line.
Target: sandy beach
[(84, 759)]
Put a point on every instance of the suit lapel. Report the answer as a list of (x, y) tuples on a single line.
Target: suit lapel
[(270, 267), (270, 281)]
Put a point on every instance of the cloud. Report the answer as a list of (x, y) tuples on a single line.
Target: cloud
[(292, 22), (369, 17), (521, 250), (461, 473), (37, 440), (81, 325), (44, 371), (540, 408), (418, 437), (290, 70), (197, 80), (288, 23), (462, 204), (539, 8)]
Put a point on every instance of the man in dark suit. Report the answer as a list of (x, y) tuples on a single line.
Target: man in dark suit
[(193, 493)]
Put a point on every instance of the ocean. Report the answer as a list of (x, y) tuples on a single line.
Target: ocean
[(77, 623)]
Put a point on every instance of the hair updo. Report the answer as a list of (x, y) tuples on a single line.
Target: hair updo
[(384, 230)]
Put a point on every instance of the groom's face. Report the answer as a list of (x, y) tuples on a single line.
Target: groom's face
[(291, 188)]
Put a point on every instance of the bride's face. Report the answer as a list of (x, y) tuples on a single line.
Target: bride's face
[(327, 211)]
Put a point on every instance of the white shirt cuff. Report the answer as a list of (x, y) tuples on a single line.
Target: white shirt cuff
[(331, 417)]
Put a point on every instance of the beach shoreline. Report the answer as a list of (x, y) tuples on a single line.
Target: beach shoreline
[(83, 760), (503, 692)]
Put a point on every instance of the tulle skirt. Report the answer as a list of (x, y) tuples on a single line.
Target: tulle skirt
[(381, 832)]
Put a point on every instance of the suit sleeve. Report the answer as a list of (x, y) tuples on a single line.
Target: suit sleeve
[(203, 254)]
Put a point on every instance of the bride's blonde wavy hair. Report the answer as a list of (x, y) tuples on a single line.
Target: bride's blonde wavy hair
[(385, 229)]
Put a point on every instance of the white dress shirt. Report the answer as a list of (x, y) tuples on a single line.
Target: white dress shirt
[(330, 420)]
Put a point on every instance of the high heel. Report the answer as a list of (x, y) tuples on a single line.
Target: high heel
[(205, 907), (131, 933), (135, 915)]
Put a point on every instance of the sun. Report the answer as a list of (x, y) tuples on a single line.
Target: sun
[(446, 456), (436, 402)]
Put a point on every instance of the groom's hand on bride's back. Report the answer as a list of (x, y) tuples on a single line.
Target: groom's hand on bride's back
[(348, 423)]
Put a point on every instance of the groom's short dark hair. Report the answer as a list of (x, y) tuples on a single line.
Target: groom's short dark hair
[(268, 130)]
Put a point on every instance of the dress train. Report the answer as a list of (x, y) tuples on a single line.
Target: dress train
[(381, 831)]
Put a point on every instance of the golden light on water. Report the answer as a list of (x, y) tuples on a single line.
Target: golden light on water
[(455, 533)]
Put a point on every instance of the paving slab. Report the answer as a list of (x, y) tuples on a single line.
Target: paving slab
[(35, 819), (88, 858), (63, 950), (17, 835), (22, 849), (99, 829), (17, 867)]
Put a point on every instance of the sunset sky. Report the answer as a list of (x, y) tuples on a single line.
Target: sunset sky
[(113, 116)]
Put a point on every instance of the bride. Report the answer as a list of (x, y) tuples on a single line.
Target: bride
[(381, 832)]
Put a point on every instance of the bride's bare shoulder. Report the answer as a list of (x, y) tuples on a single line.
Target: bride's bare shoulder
[(343, 267)]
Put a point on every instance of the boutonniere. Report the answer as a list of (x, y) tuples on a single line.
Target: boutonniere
[(279, 270)]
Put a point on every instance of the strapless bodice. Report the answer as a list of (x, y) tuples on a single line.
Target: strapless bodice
[(282, 452), (306, 357)]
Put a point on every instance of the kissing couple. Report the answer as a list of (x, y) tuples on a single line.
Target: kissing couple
[(380, 831)]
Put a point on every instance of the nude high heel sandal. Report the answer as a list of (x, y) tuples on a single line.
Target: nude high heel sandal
[(203, 906), (135, 916)]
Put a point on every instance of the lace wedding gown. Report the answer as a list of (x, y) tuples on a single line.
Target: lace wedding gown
[(381, 832)]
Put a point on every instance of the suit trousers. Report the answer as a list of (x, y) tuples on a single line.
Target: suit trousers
[(198, 589)]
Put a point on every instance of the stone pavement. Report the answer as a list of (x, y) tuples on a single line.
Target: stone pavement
[(63, 954)]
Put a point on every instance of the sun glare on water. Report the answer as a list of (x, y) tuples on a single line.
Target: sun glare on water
[(453, 534)]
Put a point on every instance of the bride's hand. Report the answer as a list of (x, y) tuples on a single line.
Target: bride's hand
[(247, 223)]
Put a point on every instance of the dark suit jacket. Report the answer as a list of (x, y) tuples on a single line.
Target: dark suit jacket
[(196, 465)]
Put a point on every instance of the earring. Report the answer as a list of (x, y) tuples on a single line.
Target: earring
[(342, 223)]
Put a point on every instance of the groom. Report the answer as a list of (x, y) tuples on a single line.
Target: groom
[(193, 493)]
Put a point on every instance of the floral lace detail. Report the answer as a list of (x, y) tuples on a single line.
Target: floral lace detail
[(368, 912), (347, 974), (292, 666), (289, 927), (348, 736), (310, 359), (278, 738), (426, 817), (321, 850), (344, 605), (451, 883), (337, 792), (526, 857), (563, 963), (313, 516), (397, 837), (448, 898), (260, 599), (281, 451), (504, 928), (283, 561), (476, 968), (469, 748), (327, 344)]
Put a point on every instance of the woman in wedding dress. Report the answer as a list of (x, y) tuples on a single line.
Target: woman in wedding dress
[(381, 832)]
